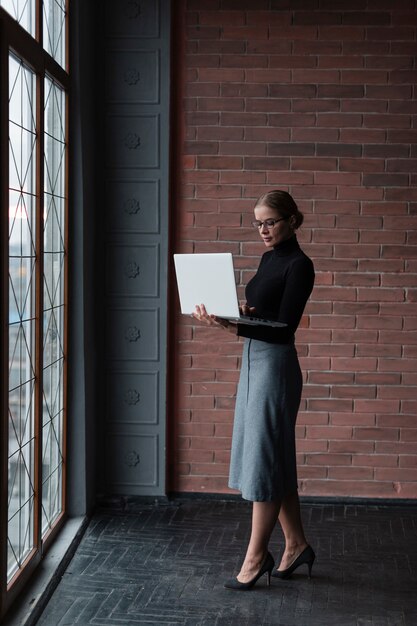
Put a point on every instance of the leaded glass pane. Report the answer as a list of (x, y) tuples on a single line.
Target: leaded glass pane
[(53, 313), (54, 17), (23, 11), (22, 276), (20, 531)]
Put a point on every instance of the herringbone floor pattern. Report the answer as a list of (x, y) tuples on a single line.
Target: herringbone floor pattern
[(164, 564)]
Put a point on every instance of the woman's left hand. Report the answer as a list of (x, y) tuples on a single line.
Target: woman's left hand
[(200, 314)]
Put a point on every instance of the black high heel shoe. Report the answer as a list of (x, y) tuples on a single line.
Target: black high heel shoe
[(266, 568), (307, 556)]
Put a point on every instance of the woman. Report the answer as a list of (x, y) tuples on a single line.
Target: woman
[(263, 464)]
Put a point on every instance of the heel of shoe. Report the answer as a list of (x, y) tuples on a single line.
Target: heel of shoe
[(270, 564), (310, 564)]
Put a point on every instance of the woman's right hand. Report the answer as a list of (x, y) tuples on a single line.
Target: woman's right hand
[(200, 314)]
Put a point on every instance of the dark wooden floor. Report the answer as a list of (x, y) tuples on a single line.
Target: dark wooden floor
[(165, 564)]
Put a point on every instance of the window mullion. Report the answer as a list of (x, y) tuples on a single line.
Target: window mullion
[(39, 307), (4, 348)]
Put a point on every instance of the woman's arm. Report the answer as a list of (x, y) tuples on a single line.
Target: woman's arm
[(298, 287)]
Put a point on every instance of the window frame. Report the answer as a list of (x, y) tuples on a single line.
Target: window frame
[(14, 39)]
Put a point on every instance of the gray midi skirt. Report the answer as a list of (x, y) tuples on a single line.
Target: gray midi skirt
[(263, 463)]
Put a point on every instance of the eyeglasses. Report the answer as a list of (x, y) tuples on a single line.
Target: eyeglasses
[(269, 223)]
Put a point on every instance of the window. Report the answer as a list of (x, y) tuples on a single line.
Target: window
[(33, 188)]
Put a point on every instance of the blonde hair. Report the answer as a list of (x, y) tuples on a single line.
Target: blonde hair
[(283, 203)]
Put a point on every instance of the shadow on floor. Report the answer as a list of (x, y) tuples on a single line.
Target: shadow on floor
[(165, 564)]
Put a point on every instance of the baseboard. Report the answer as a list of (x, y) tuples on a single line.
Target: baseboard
[(308, 500), (125, 503)]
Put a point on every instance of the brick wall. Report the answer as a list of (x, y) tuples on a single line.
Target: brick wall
[(315, 97)]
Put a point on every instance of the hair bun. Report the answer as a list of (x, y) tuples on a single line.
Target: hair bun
[(299, 219)]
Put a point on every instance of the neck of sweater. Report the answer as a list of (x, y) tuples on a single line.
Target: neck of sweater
[(286, 247)]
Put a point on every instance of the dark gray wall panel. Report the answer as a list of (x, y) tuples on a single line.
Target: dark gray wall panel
[(134, 258), (133, 335), (133, 18), (132, 141), (133, 270), (133, 76), (133, 206), (132, 397), (135, 463)]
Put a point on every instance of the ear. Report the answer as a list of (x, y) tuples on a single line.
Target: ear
[(292, 222)]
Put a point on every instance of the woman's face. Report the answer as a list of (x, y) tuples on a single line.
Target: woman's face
[(276, 234)]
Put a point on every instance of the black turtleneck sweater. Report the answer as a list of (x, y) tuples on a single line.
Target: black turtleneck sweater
[(279, 291)]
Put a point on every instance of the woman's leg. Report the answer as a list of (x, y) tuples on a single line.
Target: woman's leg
[(292, 527), (264, 518)]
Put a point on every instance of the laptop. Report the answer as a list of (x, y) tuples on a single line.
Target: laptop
[(209, 279)]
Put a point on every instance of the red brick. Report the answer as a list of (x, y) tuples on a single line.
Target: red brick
[(378, 350), (400, 474), (311, 445), (338, 120), (284, 61), (355, 364), (219, 18), (213, 469), (219, 162), (378, 295), (217, 219), (315, 104), (353, 419), (210, 443), (319, 18), (387, 121), (315, 417), (346, 61), (335, 378), (244, 60), (332, 350), (218, 47), (311, 472), (212, 415), (377, 434), (220, 133), (405, 32), (362, 193), (267, 134), (192, 429), (188, 456), (329, 459), (217, 191), (272, 76), (351, 473), (408, 434), (365, 76), (217, 388), (380, 265), (215, 246), (351, 447), (376, 460), (383, 237), (362, 135), (408, 461), (220, 75), (402, 421), (329, 432)]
